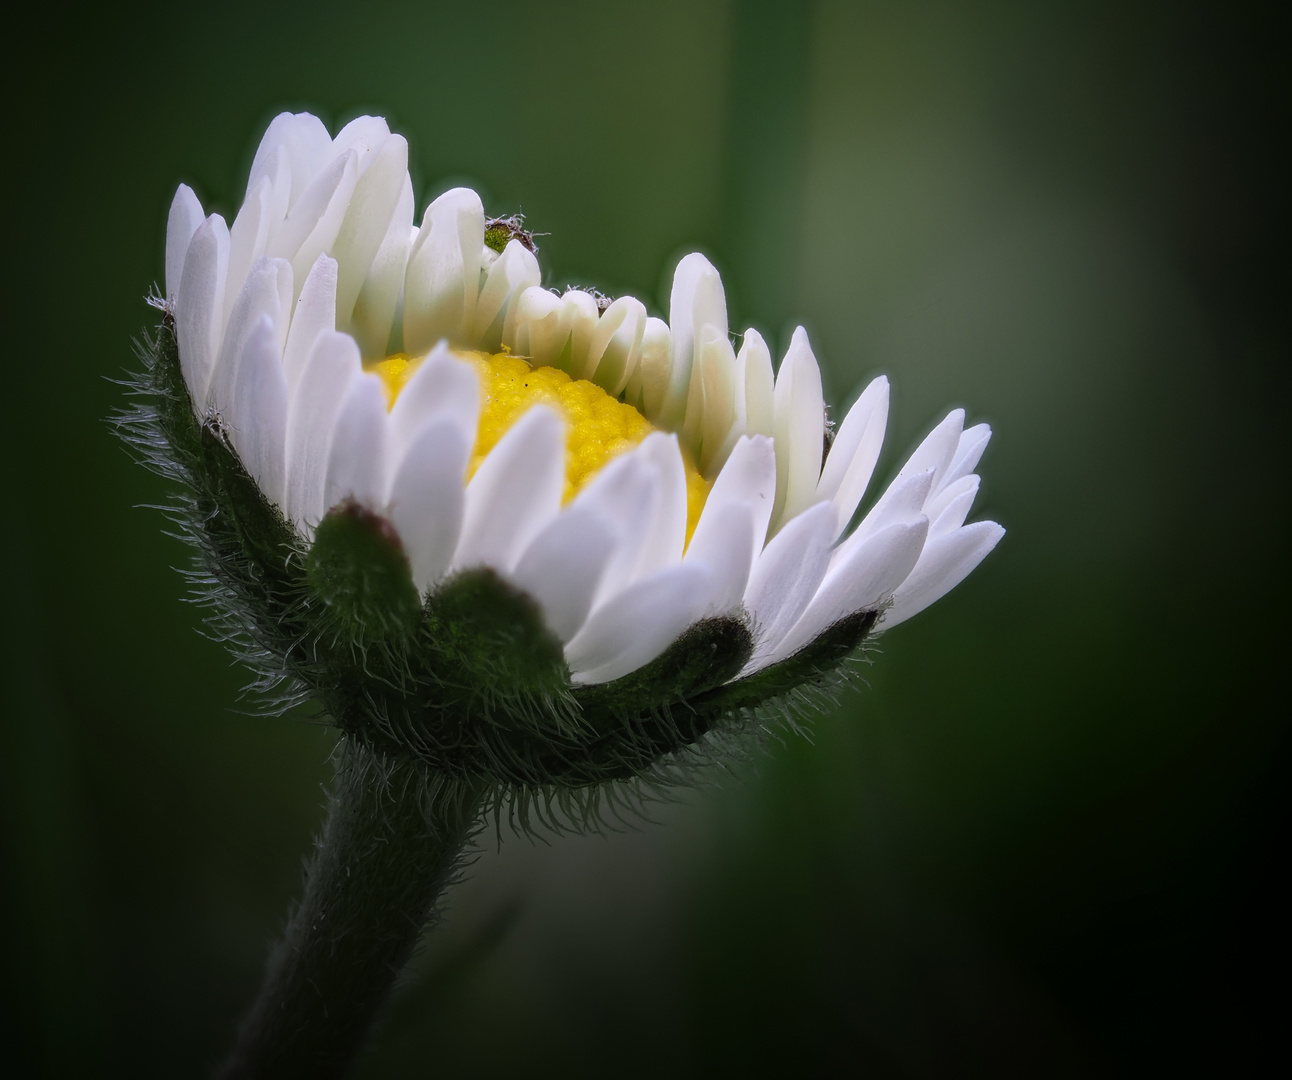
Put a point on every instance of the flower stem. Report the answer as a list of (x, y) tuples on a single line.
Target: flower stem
[(391, 844)]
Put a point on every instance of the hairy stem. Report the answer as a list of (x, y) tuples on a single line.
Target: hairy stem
[(392, 841)]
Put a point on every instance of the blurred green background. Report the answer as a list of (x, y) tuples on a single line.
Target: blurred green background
[(1043, 841)]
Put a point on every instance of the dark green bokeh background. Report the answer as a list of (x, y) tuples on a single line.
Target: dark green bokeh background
[(1045, 841)]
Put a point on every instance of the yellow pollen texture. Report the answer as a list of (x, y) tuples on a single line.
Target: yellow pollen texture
[(598, 427)]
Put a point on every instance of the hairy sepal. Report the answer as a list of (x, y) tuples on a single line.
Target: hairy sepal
[(358, 568)]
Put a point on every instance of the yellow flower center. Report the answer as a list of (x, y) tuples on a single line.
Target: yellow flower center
[(598, 427)]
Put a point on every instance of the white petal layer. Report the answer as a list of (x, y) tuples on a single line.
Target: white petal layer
[(697, 301), (862, 582), (314, 314), (259, 404), (442, 387), (428, 497), (948, 508), (515, 492), (852, 459), (747, 479), (786, 577), (968, 453), (199, 307), (368, 219), (946, 561), (666, 535), (650, 382), (185, 219), (261, 214), (799, 426), (305, 141), (615, 348), (311, 417), (938, 449), (508, 276), (640, 624), (266, 295), (755, 365), (373, 321), (625, 496), (726, 548), (901, 504), (443, 279), (564, 565), (356, 467)]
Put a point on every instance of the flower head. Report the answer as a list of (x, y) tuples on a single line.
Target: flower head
[(546, 537)]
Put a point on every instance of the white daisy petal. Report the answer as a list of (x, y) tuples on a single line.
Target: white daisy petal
[(443, 279), (314, 314), (508, 276), (861, 582), (582, 315), (799, 427), (901, 504), (938, 449), (537, 325), (260, 406), (313, 222), (666, 537), (367, 221), (266, 294), (640, 624), (852, 459), (515, 492), (185, 219), (372, 322), (356, 466), (710, 411), (785, 577), (443, 386), (697, 301), (749, 479), (949, 507), (428, 497), (615, 345), (625, 497), (311, 416), (724, 542), (198, 307), (366, 136), (650, 381), (755, 359), (968, 453), (306, 143), (947, 560), (563, 566), (262, 213)]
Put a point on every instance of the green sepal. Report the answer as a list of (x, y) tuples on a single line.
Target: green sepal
[(174, 407), (358, 568), (249, 544), (244, 517), (813, 664), (495, 634), (482, 690), (647, 714), (706, 655)]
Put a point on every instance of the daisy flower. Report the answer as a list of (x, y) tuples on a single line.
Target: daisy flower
[(632, 477), (520, 546)]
